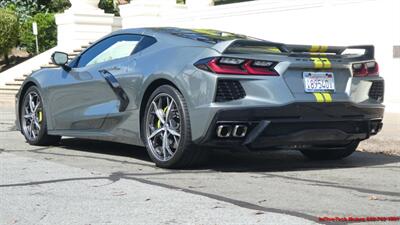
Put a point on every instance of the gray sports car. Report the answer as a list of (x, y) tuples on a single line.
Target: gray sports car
[(179, 92)]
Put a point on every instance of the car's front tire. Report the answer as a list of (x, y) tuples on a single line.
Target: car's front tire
[(166, 130), (331, 153), (33, 119)]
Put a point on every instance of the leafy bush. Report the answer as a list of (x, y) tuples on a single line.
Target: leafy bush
[(109, 6), (8, 32), (47, 32)]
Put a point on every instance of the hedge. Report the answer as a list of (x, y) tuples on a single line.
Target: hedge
[(8, 32)]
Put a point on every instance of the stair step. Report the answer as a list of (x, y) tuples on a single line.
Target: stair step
[(7, 101), (14, 83), (78, 50), (19, 79), (9, 88), (7, 96), (48, 66), (7, 92)]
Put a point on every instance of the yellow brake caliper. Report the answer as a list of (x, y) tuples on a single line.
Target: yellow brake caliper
[(159, 121), (40, 117)]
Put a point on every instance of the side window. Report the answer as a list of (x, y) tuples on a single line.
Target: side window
[(146, 41), (114, 47)]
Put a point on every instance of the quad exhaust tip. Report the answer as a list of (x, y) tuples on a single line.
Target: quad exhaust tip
[(225, 131), (239, 131)]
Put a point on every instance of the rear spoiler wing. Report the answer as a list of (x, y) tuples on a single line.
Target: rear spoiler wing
[(333, 51), (241, 46)]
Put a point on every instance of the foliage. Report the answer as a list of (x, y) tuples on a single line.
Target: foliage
[(55, 6), (109, 6), (8, 32), (24, 9), (47, 32)]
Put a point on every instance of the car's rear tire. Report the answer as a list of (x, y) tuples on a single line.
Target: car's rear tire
[(331, 153), (166, 130), (33, 119)]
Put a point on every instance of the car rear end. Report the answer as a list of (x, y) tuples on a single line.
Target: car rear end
[(272, 95)]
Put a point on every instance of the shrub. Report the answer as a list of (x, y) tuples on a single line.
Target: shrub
[(109, 6), (8, 32), (47, 32)]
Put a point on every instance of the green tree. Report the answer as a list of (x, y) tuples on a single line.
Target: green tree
[(55, 6), (8, 32), (47, 32), (24, 9)]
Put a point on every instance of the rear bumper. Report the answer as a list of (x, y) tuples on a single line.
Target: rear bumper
[(296, 124)]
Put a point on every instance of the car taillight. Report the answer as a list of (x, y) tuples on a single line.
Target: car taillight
[(236, 66), (365, 69)]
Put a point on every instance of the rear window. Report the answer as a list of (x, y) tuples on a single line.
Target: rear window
[(206, 35), (252, 47)]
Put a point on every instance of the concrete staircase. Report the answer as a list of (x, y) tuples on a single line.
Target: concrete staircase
[(8, 91)]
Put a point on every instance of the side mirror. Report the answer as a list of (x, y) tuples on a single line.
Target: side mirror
[(60, 59)]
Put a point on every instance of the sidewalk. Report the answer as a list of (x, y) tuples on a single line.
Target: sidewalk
[(388, 140)]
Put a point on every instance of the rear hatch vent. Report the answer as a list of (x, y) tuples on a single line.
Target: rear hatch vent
[(228, 90)]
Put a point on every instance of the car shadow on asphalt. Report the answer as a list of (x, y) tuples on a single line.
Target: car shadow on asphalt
[(242, 161), (105, 148)]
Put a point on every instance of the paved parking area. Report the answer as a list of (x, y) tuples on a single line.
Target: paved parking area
[(93, 182)]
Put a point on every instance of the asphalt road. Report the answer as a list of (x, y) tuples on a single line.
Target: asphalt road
[(92, 182)]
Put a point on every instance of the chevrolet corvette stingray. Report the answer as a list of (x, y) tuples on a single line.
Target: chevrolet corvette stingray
[(179, 92)]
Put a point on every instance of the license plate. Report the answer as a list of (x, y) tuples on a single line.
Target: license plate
[(318, 82)]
